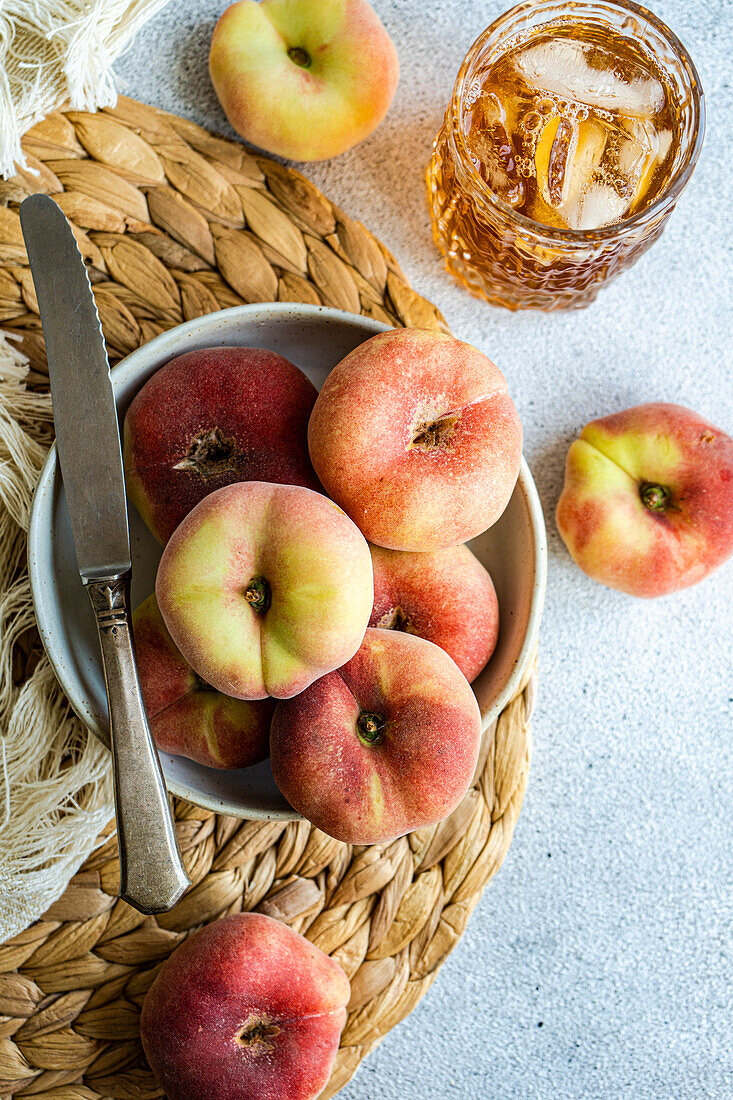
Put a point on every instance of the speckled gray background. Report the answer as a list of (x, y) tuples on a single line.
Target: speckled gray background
[(598, 964)]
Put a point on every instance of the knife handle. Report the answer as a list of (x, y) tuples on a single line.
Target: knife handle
[(152, 875)]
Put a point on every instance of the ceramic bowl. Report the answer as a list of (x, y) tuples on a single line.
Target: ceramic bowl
[(314, 338)]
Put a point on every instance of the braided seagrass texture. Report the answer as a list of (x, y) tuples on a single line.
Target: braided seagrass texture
[(173, 223)]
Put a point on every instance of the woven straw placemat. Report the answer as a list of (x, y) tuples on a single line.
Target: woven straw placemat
[(174, 223)]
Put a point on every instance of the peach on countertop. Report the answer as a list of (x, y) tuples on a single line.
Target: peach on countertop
[(305, 79), (415, 436), (647, 505), (386, 744), (212, 417), (244, 1009), (445, 596), (186, 716), (264, 588)]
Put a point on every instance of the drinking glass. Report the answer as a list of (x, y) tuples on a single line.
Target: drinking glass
[(506, 257)]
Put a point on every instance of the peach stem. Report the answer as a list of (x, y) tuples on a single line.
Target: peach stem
[(396, 619), (370, 728), (435, 434), (654, 497), (300, 56), (258, 594), (209, 455), (258, 1033)]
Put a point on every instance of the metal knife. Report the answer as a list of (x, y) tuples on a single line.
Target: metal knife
[(152, 876)]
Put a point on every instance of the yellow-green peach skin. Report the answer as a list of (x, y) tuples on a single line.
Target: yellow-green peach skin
[(305, 79), (384, 745), (264, 588), (416, 437), (647, 505)]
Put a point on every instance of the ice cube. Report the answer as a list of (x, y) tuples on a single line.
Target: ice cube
[(600, 205), (587, 74), (585, 153), (665, 140), (554, 158), (638, 147), (636, 159), (491, 143), (492, 111), (592, 138)]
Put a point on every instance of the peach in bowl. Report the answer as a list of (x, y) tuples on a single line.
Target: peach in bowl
[(315, 339)]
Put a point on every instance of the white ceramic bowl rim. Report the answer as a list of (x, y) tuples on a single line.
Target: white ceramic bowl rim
[(163, 347)]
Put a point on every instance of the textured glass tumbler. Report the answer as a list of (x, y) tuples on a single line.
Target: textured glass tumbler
[(507, 258)]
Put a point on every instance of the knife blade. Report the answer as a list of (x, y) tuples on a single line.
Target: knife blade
[(88, 441), (87, 432)]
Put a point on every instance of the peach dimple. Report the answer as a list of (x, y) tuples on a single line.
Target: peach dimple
[(647, 505), (264, 588), (386, 744), (212, 417), (304, 79), (445, 596), (415, 436), (244, 1008)]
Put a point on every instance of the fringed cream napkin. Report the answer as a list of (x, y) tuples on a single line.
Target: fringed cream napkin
[(54, 51), (55, 782)]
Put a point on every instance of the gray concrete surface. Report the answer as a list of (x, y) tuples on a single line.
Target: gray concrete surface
[(598, 964)]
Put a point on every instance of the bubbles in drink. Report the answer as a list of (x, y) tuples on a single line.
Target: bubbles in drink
[(574, 134)]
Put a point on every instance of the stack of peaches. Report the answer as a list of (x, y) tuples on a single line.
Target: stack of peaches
[(314, 600)]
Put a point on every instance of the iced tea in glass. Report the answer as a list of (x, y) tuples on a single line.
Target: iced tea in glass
[(572, 130)]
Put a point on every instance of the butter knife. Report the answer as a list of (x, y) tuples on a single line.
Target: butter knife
[(152, 876)]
